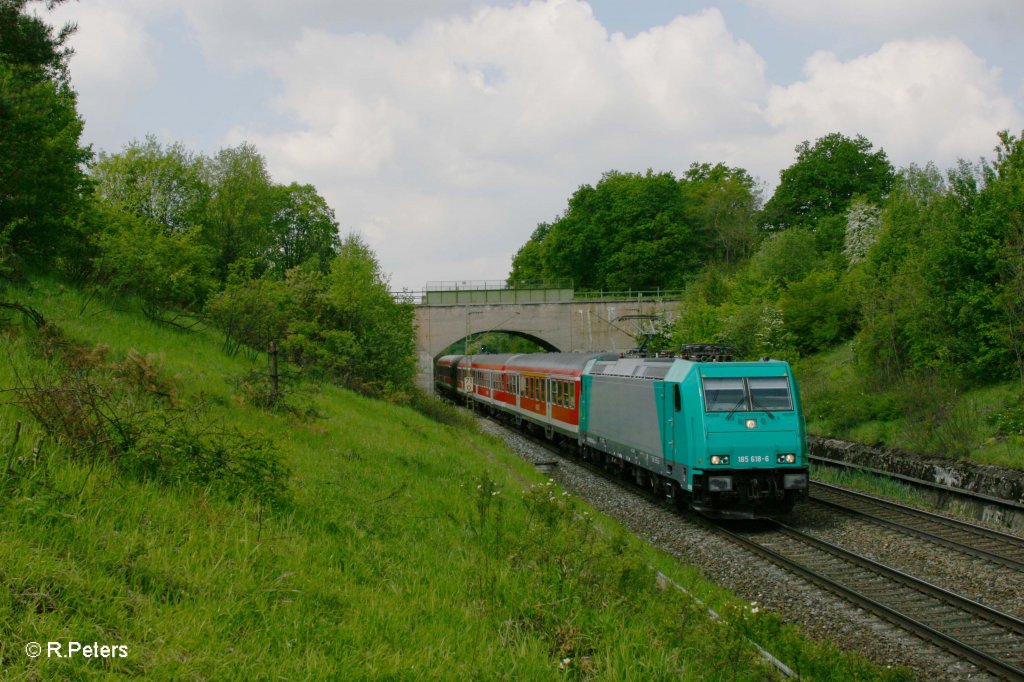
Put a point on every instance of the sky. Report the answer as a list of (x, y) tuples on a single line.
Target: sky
[(444, 131)]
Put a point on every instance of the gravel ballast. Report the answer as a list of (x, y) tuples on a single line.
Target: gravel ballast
[(818, 613)]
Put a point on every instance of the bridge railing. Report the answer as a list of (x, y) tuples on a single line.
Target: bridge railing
[(514, 296), (625, 294), (492, 284)]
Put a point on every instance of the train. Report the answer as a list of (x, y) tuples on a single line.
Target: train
[(726, 438)]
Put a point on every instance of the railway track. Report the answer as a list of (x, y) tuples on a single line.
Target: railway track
[(992, 640), (988, 638), (940, 491), (994, 546)]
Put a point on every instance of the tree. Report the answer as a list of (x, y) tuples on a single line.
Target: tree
[(645, 231), (901, 328), (241, 206), (786, 256), (723, 202), (1003, 206), (27, 42), (302, 227), (363, 317), (42, 187), (863, 223), (824, 180), (819, 311), (528, 263), (630, 231), (163, 185), (165, 269)]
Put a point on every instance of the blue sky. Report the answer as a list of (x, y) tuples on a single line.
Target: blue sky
[(444, 131)]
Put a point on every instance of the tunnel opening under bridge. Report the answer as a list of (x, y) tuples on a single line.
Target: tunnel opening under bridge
[(498, 341)]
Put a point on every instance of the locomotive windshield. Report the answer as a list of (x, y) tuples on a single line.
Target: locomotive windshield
[(747, 394)]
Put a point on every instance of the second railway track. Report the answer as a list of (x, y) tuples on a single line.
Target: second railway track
[(990, 639), (984, 543)]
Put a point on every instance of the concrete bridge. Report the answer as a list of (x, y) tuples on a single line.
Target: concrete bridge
[(555, 319)]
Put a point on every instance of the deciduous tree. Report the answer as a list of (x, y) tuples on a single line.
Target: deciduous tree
[(824, 179)]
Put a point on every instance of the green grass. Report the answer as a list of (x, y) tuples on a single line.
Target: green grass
[(930, 417), (409, 549), (882, 486)]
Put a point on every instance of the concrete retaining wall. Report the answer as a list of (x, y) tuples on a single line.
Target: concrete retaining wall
[(1001, 482)]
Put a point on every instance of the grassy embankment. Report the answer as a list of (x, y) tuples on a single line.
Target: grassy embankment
[(406, 549), (985, 425)]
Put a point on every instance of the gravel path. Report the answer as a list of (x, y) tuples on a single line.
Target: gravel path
[(817, 613)]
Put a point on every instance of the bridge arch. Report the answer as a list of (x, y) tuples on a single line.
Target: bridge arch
[(457, 345), (597, 325)]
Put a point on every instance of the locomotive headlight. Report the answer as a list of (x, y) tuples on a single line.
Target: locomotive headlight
[(751, 423), (720, 484), (719, 459), (788, 458)]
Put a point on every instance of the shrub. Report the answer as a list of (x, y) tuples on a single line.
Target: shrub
[(128, 413), (163, 268), (819, 311), (1010, 420)]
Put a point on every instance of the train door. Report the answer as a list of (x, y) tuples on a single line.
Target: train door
[(547, 397), (670, 415)]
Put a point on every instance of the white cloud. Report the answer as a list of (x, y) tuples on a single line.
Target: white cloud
[(483, 125), (445, 131), (233, 31), (926, 100), (886, 17), (114, 61)]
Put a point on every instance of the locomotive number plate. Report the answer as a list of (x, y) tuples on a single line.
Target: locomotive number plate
[(753, 459)]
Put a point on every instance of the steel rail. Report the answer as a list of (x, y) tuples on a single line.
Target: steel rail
[(1002, 548), (1006, 627), (651, 497), (980, 498), (990, 661)]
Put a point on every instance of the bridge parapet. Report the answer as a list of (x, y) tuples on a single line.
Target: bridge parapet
[(557, 318), (473, 292)]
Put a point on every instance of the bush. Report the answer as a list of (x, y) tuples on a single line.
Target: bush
[(184, 450), (786, 256), (128, 413), (251, 312), (163, 268), (819, 311), (1010, 420)]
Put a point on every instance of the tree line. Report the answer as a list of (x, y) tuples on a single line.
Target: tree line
[(922, 269), (179, 232)]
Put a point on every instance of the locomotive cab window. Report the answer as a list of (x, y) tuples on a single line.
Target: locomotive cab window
[(724, 394), (770, 393), (747, 394)]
